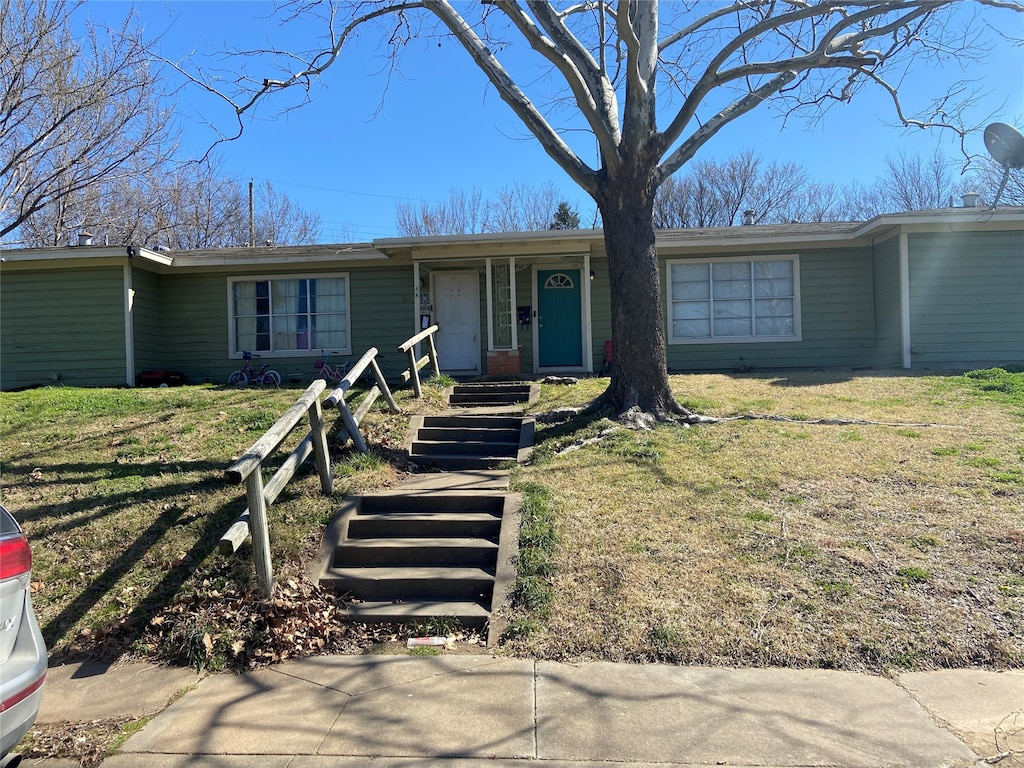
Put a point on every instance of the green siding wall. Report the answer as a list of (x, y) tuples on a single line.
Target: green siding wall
[(600, 311), (196, 331), (967, 299), (837, 317), (146, 326), (889, 351), (64, 325)]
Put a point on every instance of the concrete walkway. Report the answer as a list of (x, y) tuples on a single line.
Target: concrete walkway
[(472, 711)]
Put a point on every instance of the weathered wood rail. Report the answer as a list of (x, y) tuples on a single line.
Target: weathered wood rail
[(337, 398), (249, 468), (409, 348)]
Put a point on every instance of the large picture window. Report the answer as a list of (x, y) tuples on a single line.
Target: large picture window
[(289, 314), (734, 300)]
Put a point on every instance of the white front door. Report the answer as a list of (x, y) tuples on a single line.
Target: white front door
[(456, 297)]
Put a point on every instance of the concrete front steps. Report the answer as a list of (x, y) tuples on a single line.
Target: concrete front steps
[(492, 394), (454, 441), (401, 557)]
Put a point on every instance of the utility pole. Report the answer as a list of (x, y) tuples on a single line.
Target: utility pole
[(252, 218)]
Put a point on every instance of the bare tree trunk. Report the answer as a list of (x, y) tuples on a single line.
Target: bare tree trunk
[(639, 369)]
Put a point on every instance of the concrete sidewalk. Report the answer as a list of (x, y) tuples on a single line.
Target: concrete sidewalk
[(482, 710)]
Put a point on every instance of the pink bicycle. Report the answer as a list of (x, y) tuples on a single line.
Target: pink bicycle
[(328, 372)]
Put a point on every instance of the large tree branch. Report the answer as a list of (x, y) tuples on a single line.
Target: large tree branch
[(594, 94), (512, 95), (719, 13), (822, 55), (688, 148), (638, 29)]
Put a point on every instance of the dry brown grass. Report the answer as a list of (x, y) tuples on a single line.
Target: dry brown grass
[(747, 542), (756, 542)]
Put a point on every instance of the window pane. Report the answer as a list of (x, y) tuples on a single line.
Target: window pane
[(328, 294), (287, 295), (244, 298), (329, 332), (773, 308), (691, 329), (731, 280), (775, 326), (691, 310), (245, 333), (773, 278), (690, 281), (732, 270), (732, 318), (774, 317), (289, 332)]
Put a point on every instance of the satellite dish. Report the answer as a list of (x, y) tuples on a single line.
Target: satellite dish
[(1006, 145)]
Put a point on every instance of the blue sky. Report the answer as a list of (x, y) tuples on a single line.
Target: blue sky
[(442, 127)]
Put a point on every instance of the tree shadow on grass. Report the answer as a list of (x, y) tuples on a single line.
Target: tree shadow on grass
[(132, 626)]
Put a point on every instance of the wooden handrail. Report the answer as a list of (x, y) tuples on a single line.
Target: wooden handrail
[(249, 469), (412, 372), (273, 437)]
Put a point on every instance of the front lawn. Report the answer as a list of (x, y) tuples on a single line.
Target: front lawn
[(863, 521)]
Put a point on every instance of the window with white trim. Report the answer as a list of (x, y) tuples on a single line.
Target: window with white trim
[(290, 315), (728, 300)]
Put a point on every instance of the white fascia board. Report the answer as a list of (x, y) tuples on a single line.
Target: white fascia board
[(238, 260), (947, 219), (553, 237)]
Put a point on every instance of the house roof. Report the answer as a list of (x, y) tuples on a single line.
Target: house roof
[(550, 242), (282, 254)]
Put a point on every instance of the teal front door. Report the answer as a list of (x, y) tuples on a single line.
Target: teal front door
[(559, 324)]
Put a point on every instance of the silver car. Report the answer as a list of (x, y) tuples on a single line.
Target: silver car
[(22, 651)]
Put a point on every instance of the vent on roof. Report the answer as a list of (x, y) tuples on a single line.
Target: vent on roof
[(84, 238), (970, 199), (748, 216)]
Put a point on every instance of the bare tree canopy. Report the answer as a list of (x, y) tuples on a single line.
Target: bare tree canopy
[(713, 193), (76, 109), (652, 84), (177, 206), (515, 208)]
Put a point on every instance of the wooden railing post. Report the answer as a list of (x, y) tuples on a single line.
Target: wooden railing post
[(433, 355), (350, 424), (382, 385), (321, 456), (415, 374), (259, 529), (409, 347)]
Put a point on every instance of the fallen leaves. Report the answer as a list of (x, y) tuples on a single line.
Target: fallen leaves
[(87, 742)]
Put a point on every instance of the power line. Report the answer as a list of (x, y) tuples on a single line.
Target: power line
[(349, 191)]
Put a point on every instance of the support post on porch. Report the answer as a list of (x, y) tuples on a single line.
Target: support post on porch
[(489, 289), (513, 309)]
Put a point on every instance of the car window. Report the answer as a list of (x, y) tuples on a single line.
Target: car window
[(7, 524)]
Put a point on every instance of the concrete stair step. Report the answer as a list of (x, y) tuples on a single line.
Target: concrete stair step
[(401, 503), (456, 462), (477, 434), (401, 551), (491, 386), (455, 421), (468, 613), (483, 399), (417, 582), (464, 448), (482, 525)]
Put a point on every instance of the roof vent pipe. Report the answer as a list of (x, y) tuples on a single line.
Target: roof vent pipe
[(970, 199), (748, 216), (84, 238)]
